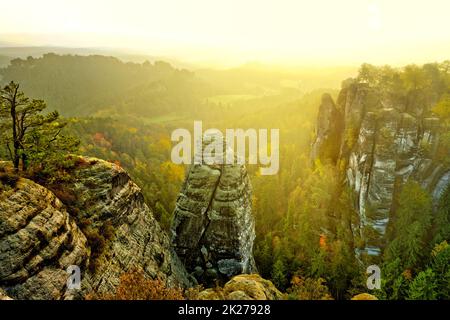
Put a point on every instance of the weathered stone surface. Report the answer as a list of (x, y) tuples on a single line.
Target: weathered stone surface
[(364, 296), (3, 295), (243, 287), (440, 186), (253, 286), (211, 294), (381, 147), (106, 194), (40, 236), (328, 131), (38, 241), (213, 228)]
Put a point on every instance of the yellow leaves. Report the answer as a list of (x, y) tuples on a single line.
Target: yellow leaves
[(439, 247), (140, 166), (173, 172), (407, 274), (164, 144), (296, 281), (132, 130), (442, 109)]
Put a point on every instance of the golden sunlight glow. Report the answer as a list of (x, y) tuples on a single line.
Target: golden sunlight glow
[(235, 31)]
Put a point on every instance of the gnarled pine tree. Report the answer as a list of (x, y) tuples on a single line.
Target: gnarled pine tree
[(27, 132)]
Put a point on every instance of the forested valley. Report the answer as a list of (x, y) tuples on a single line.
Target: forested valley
[(306, 242)]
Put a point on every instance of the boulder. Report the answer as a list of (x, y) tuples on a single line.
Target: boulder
[(364, 296), (243, 287)]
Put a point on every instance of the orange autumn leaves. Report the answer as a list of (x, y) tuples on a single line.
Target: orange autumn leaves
[(323, 242)]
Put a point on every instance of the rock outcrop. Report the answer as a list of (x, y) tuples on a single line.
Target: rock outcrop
[(38, 241), (243, 287), (3, 295), (213, 228), (329, 130), (106, 196), (100, 223), (364, 296), (380, 144)]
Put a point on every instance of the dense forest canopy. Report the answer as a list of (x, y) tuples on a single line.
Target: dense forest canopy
[(100, 85), (83, 85)]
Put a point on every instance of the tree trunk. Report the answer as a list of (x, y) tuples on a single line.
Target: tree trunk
[(16, 156), (16, 161), (24, 161), (16, 145)]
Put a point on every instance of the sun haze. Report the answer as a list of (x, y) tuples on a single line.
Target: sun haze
[(236, 31)]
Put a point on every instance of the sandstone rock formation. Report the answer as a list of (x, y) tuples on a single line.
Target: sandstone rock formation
[(328, 130), (40, 235), (213, 228), (381, 145), (364, 296), (38, 241), (3, 295), (243, 287), (106, 195)]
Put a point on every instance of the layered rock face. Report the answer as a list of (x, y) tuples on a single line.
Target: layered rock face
[(107, 195), (381, 146), (213, 228), (329, 129), (38, 241), (3, 295), (40, 236)]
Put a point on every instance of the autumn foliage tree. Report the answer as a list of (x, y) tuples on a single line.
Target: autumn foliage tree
[(135, 286), (308, 289)]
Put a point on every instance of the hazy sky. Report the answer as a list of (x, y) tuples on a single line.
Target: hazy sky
[(234, 31)]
